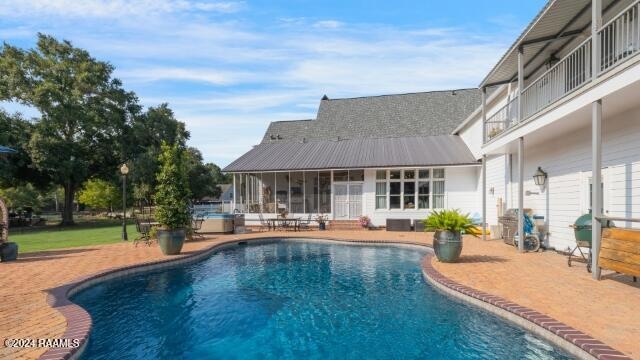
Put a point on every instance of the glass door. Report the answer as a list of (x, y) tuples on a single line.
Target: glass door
[(355, 201), (341, 201)]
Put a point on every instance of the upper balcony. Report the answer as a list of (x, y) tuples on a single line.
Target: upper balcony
[(616, 41)]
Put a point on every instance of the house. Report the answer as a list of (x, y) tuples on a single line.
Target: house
[(567, 104), (390, 156), (562, 103)]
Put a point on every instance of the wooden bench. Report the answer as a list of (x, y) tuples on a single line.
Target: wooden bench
[(620, 251)]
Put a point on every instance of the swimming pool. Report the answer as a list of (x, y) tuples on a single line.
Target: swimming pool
[(296, 300)]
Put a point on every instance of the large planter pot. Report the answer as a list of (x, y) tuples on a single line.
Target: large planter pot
[(8, 251), (171, 241), (447, 245)]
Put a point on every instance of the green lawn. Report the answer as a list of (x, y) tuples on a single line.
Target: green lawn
[(58, 238)]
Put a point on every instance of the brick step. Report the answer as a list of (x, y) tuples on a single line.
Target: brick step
[(344, 225)]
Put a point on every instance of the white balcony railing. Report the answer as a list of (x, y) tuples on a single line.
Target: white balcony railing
[(502, 119), (619, 39), (569, 74)]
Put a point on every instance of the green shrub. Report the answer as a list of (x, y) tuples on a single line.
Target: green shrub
[(451, 220), (172, 192)]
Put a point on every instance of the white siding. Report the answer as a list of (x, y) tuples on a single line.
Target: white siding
[(567, 160)]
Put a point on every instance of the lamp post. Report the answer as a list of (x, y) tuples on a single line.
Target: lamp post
[(124, 170)]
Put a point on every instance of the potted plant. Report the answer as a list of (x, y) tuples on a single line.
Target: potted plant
[(448, 226), (172, 199), (322, 221), (364, 221)]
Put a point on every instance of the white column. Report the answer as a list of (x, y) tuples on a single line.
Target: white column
[(484, 165), (596, 180), (333, 195), (521, 194), (520, 83), (289, 192), (484, 197), (596, 24), (234, 193), (484, 115)]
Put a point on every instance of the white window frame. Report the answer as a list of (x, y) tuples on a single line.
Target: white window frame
[(416, 181)]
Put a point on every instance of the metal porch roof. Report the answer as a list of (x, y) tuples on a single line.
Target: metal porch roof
[(440, 150), (556, 20)]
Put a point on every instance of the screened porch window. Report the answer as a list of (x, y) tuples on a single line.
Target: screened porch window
[(297, 192), (381, 189), (325, 191)]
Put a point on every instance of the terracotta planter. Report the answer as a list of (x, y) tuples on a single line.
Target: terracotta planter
[(447, 245), (171, 241)]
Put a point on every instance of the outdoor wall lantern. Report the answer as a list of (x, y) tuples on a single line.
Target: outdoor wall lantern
[(540, 177)]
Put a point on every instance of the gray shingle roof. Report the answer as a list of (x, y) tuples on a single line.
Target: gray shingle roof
[(415, 114), (356, 153)]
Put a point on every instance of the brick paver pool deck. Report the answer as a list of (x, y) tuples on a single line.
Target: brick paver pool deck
[(606, 310)]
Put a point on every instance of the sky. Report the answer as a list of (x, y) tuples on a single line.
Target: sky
[(228, 68)]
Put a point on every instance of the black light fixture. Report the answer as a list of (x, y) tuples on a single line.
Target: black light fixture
[(124, 170), (540, 177)]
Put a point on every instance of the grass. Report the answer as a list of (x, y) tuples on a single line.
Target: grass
[(54, 237)]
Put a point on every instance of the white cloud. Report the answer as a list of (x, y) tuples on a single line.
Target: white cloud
[(207, 75), (328, 24), (112, 8), (227, 77)]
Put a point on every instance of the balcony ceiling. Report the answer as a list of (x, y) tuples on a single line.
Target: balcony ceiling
[(555, 27)]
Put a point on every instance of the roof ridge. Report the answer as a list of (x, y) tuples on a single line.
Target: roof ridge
[(400, 94), (277, 121), (338, 138)]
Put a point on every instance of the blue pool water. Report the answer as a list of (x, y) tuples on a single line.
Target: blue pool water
[(296, 300)]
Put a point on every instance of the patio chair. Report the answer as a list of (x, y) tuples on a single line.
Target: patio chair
[(263, 222), (143, 227), (305, 224), (196, 225)]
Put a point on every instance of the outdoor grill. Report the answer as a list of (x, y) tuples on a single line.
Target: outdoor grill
[(582, 231), (509, 223)]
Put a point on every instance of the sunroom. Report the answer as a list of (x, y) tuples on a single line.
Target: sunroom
[(382, 178)]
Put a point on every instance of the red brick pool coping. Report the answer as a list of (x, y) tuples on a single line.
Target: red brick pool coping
[(561, 334), (79, 322)]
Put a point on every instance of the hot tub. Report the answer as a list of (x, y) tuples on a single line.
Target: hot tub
[(217, 223)]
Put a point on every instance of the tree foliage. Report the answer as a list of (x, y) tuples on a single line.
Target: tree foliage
[(85, 112), (22, 196), (203, 178), (150, 129), (172, 193), (100, 194), (18, 169), (88, 126)]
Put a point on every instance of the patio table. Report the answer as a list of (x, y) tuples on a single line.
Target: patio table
[(284, 222)]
